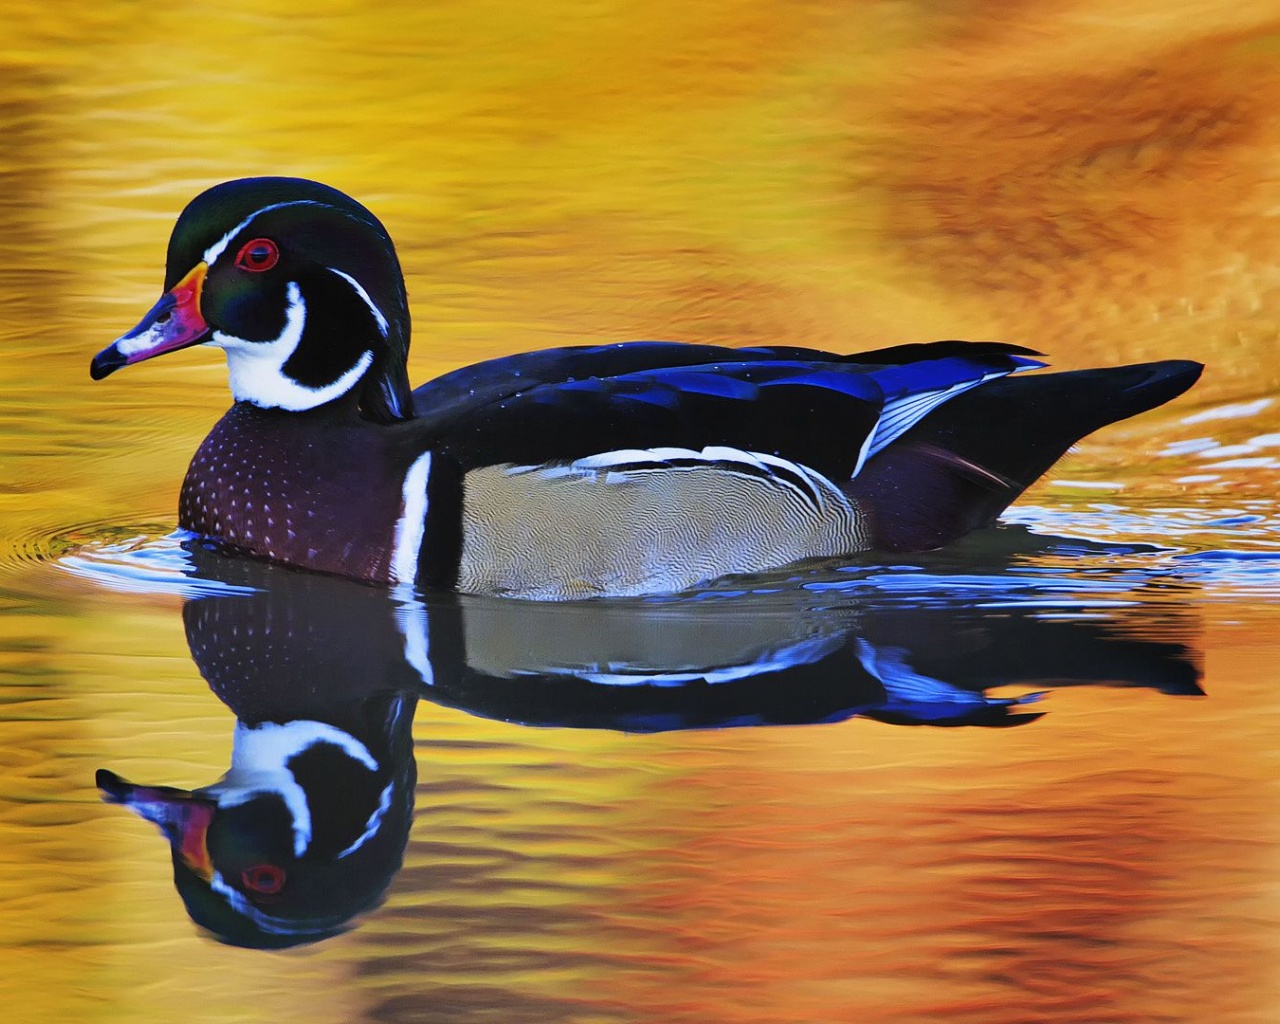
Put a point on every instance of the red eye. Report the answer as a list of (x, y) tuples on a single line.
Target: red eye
[(263, 878), (258, 255)]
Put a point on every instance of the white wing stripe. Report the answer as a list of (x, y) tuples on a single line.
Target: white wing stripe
[(901, 414), (620, 466)]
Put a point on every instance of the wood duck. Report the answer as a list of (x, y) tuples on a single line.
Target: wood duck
[(619, 469)]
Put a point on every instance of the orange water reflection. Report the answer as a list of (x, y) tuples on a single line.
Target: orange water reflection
[(1090, 180)]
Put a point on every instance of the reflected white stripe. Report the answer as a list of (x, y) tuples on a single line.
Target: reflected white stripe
[(411, 617), (260, 757)]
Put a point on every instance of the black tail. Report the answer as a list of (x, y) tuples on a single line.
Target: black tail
[(966, 462)]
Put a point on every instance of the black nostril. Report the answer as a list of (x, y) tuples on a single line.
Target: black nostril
[(164, 317)]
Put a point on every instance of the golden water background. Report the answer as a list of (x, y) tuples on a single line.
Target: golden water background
[(1100, 181)]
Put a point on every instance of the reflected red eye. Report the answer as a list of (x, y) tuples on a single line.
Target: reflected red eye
[(263, 878), (258, 255)]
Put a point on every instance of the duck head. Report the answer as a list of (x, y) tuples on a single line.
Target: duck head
[(298, 283)]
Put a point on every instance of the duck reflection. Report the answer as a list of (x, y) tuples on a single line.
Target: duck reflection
[(310, 823)]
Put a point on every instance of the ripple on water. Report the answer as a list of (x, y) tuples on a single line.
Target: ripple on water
[(42, 543), (140, 561), (1081, 559)]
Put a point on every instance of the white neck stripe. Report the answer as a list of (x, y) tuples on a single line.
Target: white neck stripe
[(218, 247), (256, 368), (377, 313), (412, 524)]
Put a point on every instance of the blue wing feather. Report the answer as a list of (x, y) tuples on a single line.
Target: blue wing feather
[(912, 391), (855, 385), (824, 411)]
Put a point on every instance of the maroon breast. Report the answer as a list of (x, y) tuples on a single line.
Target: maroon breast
[(296, 488)]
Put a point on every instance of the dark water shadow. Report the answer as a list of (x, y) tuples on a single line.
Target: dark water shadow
[(309, 825)]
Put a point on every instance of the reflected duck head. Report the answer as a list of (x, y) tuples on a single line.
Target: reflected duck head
[(303, 833)]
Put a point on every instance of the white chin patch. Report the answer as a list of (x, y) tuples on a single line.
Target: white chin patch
[(256, 368)]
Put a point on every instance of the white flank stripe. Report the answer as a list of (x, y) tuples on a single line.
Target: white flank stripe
[(663, 454), (412, 522), (710, 454), (219, 247), (811, 475), (722, 454), (377, 313), (620, 467)]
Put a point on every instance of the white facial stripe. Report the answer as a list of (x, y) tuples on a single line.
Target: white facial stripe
[(377, 313), (256, 368), (413, 521), (218, 247)]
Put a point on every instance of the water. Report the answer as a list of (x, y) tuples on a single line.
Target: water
[(1029, 778)]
